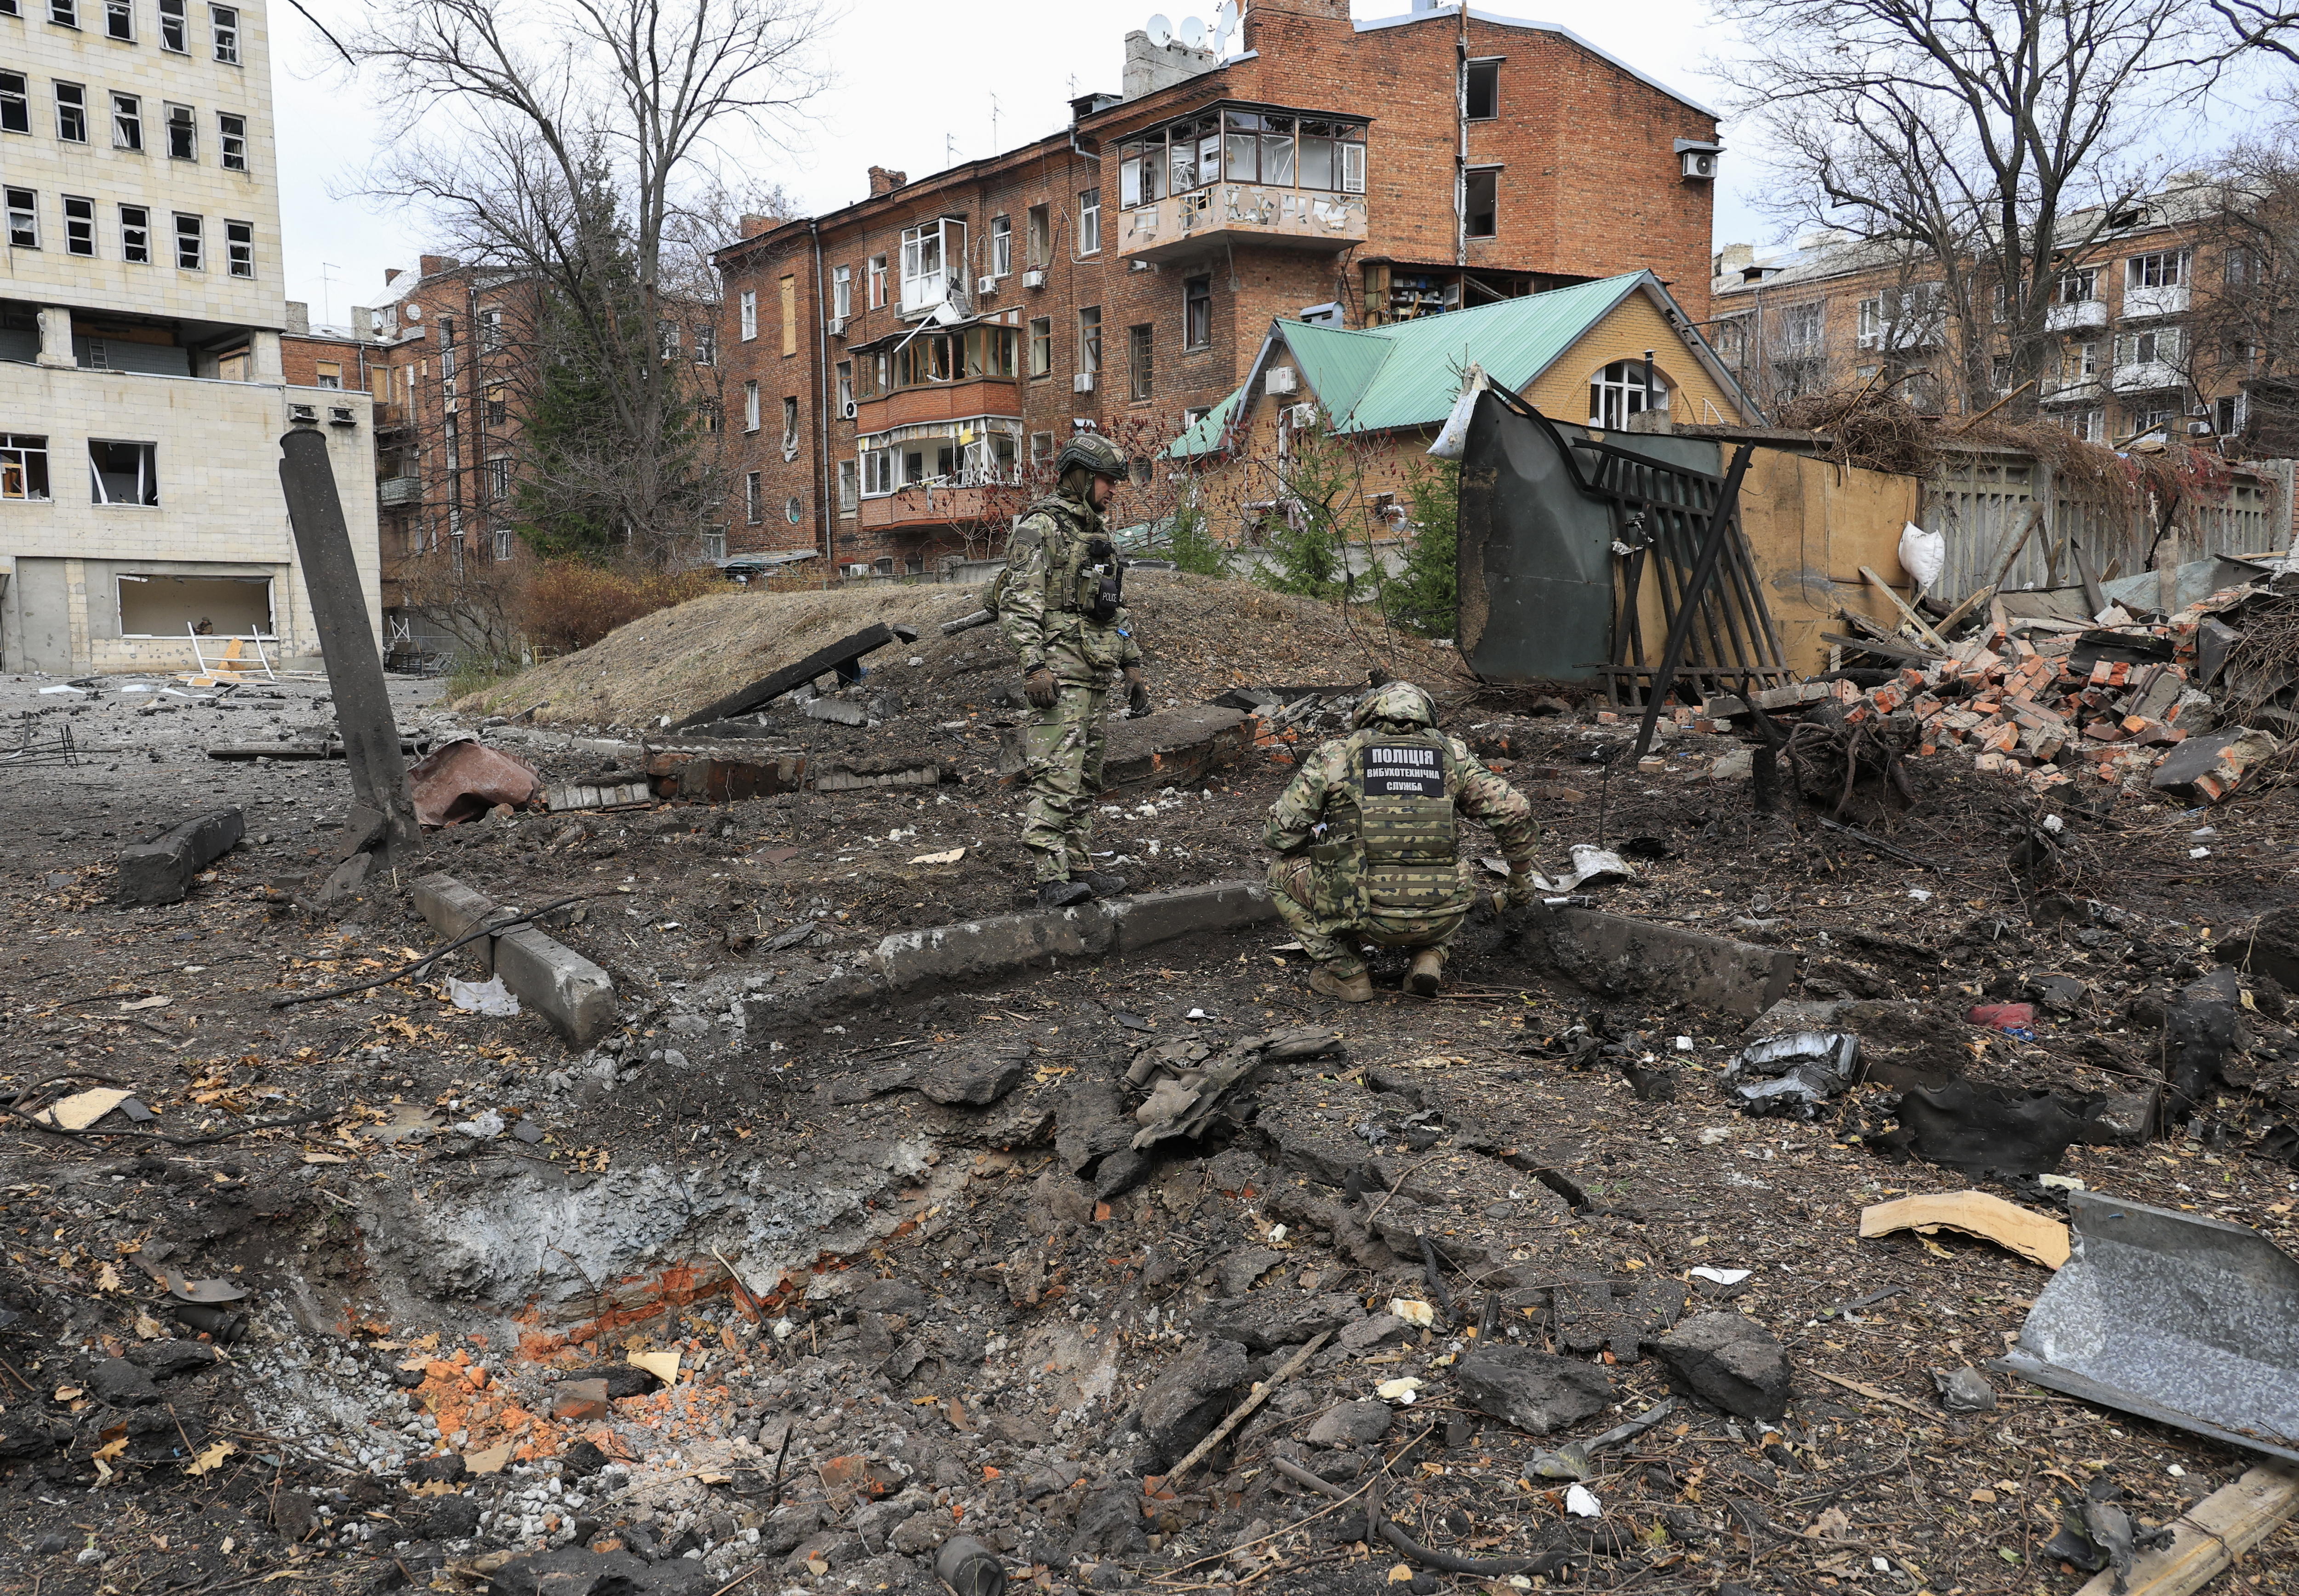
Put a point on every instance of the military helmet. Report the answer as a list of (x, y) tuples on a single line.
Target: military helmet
[(1096, 453), (1399, 701)]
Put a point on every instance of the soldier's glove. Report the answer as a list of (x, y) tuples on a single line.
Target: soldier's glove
[(1040, 687), (1137, 697)]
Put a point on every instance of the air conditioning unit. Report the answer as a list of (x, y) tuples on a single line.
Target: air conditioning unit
[(1083, 383), (985, 284), (862, 570), (303, 415), (1034, 279), (847, 410), (838, 326), (1700, 165), (1279, 379), (340, 415), (1302, 415)]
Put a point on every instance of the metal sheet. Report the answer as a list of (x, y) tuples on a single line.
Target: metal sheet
[(1536, 577), (2193, 1322)]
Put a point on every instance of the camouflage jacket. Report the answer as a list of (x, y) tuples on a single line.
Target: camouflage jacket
[(1319, 796), (1043, 598)]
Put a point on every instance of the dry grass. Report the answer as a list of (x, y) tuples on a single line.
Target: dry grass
[(565, 604), (1201, 634)]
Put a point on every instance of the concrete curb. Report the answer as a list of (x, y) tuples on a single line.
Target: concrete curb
[(566, 988), (981, 950), (161, 871)]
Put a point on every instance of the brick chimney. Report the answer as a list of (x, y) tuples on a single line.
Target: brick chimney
[(433, 266), (882, 181), (392, 273), (1150, 68), (753, 226)]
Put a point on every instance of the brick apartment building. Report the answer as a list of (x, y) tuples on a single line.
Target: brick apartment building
[(900, 371), (2124, 361)]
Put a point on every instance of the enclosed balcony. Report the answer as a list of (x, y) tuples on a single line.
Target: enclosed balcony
[(2168, 298), (931, 473), (928, 505), (2071, 318), (1239, 174)]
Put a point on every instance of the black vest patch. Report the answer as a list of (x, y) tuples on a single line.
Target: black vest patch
[(1406, 770)]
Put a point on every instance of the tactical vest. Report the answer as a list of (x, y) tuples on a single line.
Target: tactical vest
[(1075, 582), (1407, 846)]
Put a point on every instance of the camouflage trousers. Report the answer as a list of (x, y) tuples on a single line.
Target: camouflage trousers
[(1062, 775), (1299, 886)]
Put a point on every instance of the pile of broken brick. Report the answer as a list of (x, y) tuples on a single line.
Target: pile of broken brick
[(2123, 702)]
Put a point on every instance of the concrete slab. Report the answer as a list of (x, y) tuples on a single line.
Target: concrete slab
[(977, 950), (452, 910), (1149, 918), (1615, 954), (159, 870)]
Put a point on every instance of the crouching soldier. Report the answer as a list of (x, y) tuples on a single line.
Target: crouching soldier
[(1368, 839)]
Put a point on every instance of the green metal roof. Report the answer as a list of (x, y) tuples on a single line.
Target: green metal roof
[(1408, 373)]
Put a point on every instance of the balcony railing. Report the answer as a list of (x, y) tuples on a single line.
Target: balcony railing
[(1304, 218), (2144, 377), (2079, 390), (398, 489), (2171, 300), (2083, 313), (933, 504)]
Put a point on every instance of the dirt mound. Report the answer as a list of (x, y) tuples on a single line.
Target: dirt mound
[(1202, 635)]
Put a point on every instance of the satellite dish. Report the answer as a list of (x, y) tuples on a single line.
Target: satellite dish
[(1161, 31), (1193, 33), (1226, 18)]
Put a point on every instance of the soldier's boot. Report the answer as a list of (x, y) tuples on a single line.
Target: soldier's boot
[(1098, 883), (1061, 895), (1343, 989), (1428, 972)]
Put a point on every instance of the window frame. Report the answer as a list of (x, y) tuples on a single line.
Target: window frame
[(79, 111), (1470, 177), (1140, 362), (843, 372), (135, 236), (239, 249), (746, 314), (198, 235), (1198, 312), (1490, 67), (1089, 349), (24, 456), (64, 14), (21, 207), (1038, 245), (1001, 247), (1609, 393), (175, 26), (1041, 331), (181, 124), (1090, 220), (750, 407), (2138, 269), (754, 498), (850, 487), (223, 33), (231, 140), (86, 220), (2084, 279), (120, 20), (127, 121), (15, 106), (842, 291), (876, 266), (147, 474)]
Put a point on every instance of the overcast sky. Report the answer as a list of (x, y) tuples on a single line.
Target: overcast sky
[(914, 86)]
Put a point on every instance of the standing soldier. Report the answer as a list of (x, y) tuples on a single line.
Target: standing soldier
[(1061, 604), (1368, 843)]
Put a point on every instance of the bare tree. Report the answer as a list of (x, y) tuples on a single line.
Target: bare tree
[(576, 147), (2244, 321), (1989, 137)]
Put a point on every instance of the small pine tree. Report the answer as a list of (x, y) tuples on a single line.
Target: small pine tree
[(1192, 545), (1425, 593), (1323, 493)]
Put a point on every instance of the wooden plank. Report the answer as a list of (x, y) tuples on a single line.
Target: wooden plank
[(1874, 1395), (1244, 1409), (1923, 627), (2210, 1535)]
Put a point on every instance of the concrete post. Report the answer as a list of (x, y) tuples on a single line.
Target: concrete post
[(263, 361), (363, 712), (55, 337)]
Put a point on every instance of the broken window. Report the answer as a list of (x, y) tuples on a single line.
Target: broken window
[(1481, 200), (788, 287), (877, 282), (1041, 449), (706, 343), (23, 206), (846, 387), (2078, 286), (224, 21), (15, 103), (173, 31), (327, 374), (927, 252), (842, 291), (183, 134), (498, 405), (790, 425), (1139, 349), (877, 472), (1042, 345), (2151, 347), (499, 478), (190, 243), (848, 487), (491, 333), (750, 407), (71, 113), (1800, 328), (154, 606), (120, 20), (24, 465), (748, 310), (753, 500), (1041, 236), (1197, 312), (1001, 245), (1618, 392), (135, 235), (666, 333), (63, 13), (990, 351), (2087, 425), (1090, 338), (1480, 90), (239, 248), (122, 472), (127, 122), (231, 140), (506, 543), (1089, 222), (79, 226)]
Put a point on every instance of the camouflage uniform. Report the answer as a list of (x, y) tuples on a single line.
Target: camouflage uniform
[(1367, 836), (1045, 608)]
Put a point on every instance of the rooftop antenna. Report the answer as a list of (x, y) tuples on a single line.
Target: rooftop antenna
[(993, 122), (949, 149), (325, 317)]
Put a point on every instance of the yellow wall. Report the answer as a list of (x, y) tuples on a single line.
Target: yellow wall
[(1635, 326)]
